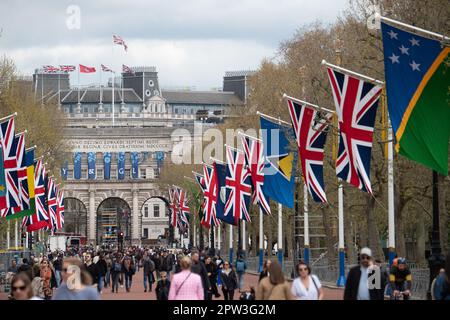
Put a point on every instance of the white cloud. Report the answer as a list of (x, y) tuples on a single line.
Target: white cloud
[(190, 42)]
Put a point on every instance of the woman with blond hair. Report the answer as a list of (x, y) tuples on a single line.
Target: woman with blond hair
[(186, 285)]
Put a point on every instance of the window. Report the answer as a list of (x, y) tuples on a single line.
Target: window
[(176, 110), (155, 173), (146, 212), (156, 210), (113, 174), (100, 173), (69, 174), (127, 173), (145, 233), (84, 174), (143, 174)]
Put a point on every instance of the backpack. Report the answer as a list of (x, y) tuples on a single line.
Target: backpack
[(117, 267), (151, 265), (240, 266)]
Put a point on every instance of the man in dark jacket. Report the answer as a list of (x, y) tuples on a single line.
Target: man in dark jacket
[(91, 267), (149, 266), (102, 268), (199, 268), (166, 263), (359, 285)]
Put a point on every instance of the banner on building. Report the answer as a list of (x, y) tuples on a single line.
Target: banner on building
[(134, 165), (107, 165), (121, 165), (91, 165), (77, 165)]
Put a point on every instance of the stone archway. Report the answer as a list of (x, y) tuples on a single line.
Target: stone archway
[(113, 216), (75, 216)]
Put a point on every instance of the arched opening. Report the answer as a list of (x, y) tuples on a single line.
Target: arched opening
[(75, 216), (113, 216), (155, 226)]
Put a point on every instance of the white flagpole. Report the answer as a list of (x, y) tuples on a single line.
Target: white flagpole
[(391, 208), (79, 105), (195, 235), (352, 73), (143, 87), (16, 234), (8, 235), (42, 88), (113, 83), (261, 239), (26, 239), (59, 88), (280, 234), (244, 240), (341, 278), (101, 92), (306, 254)]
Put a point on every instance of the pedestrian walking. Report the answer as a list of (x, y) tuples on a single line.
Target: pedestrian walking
[(442, 284), (241, 267), (229, 281), (129, 270), (265, 271), (306, 286), (92, 268), (211, 270), (148, 267), (76, 282), (163, 287), (46, 276), (199, 268), (274, 287), (116, 270), (21, 288), (102, 268), (186, 285), (357, 285)]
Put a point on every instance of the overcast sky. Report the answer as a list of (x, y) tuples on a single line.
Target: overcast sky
[(191, 42)]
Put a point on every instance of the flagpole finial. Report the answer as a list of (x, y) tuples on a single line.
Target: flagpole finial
[(284, 95), (324, 62)]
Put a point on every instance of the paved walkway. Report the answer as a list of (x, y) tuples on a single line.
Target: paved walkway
[(137, 290)]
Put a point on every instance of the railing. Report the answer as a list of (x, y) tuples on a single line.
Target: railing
[(328, 274)]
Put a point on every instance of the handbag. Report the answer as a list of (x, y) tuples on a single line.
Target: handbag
[(181, 285)]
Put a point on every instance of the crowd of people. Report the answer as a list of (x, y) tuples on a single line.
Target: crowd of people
[(179, 274)]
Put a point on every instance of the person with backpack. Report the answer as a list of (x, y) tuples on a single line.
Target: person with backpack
[(148, 267), (163, 287), (241, 267), (306, 286), (116, 270), (129, 270)]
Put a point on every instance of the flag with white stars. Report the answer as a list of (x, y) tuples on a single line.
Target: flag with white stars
[(417, 86)]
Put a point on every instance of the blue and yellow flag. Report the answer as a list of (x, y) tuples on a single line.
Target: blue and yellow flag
[(279, 177)]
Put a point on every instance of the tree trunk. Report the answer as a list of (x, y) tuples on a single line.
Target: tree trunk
[(289, 235), (372, 230), (330, 240), (255, 234), (421, 237), (348, 237), (443, 215)]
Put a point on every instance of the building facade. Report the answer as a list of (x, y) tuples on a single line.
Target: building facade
[(119, 137)]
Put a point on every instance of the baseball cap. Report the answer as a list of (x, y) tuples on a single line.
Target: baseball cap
[(366, 251)]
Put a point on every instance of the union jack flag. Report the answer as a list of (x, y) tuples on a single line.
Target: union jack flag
[(52, 204), (200, 180), (22, 183), (311, 135), (126, 69), (210, 195), (183, 207), (40, 219), (254, 158), (118, 40), (50, 69), (239, 187), (67, 68), (12, 148), (356, 106), (106, 69), (60, 210), (173, 208)]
